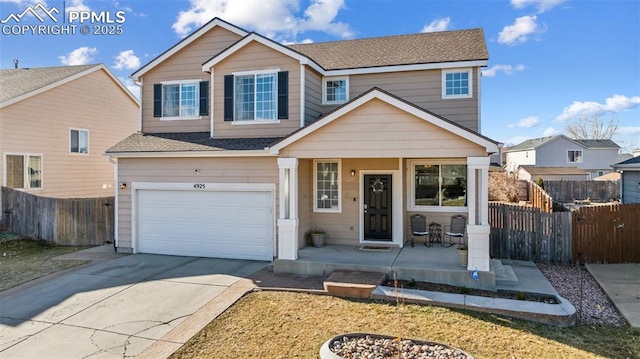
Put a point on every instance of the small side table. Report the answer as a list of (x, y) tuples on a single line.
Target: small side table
[(435, 233)]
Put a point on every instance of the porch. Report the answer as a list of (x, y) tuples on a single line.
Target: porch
[(425, 264)]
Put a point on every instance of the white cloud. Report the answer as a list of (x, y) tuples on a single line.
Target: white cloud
[(628, 130), (613, 104), (76, 5), (127, 60), (437, 25), (276, 19), (506, 69), (550, 131), (520, 30), (80, 56), (541, 5), (128, 83), (526, 122), (515, 141)]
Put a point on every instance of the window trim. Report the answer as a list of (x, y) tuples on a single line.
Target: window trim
[(195, 82), (453, 71), (411, 185), (315, 186), (79, 130), (255, 120), (24, 170), (581, 156), (324, 89)]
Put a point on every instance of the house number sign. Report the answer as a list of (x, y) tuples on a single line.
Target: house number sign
[(199, 186)]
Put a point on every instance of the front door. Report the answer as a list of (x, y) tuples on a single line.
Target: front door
[(377, 207)]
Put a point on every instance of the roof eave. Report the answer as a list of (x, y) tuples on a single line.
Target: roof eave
[(177, 154)]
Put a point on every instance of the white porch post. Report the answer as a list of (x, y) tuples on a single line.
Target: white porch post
[(288, 209), (478, 202)]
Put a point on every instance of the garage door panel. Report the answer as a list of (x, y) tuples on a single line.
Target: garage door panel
[(225, 224)]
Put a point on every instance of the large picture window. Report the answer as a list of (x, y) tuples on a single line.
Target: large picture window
[(326, 180), (439, 185), (180, 100), (256, 97), (23, 171)]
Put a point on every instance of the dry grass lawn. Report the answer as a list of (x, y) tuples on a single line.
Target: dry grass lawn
[(23, 259), (295, 325)]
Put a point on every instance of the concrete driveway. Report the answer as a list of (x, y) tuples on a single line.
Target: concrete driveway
[(146, 305)]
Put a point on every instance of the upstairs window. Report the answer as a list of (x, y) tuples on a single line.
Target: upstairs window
[(258, 96), (181, 99), (457, 83), (335, 90), (574, 156), (23, 171), (79, 141)]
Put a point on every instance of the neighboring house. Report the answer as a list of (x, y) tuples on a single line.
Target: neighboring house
[(611, 176), (55, 125), (532, 173), (247, 144), (592, 156), (630, 184)]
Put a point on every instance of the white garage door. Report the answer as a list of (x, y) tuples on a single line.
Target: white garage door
[(224, 224)]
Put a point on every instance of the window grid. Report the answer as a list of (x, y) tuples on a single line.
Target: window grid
[(256, 97), (180, 100), (336, 91), (266, 95), (457, 83), (327, 186)]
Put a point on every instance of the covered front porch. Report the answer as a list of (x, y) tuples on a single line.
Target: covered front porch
[(434, 264)]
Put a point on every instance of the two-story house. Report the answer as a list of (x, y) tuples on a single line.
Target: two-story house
[(55, 125), (247, 144), (560, 157)]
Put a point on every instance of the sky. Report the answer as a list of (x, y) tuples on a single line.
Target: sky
[(551, 62)]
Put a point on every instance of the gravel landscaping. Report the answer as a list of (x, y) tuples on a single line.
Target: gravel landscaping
[(576, 285)]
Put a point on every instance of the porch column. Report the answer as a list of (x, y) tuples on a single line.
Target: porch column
[(288, 209), (478, 202)]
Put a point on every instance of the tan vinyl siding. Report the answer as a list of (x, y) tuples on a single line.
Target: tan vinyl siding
[(186, 64), (41, 125), (422, 88), (182, 170), (254, 57), (344, 228), (312, 96), (377, 129)]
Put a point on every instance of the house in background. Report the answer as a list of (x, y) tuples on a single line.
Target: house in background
[(532, 173), (248, 144), (630, 184), (56, 123), (563, 155)]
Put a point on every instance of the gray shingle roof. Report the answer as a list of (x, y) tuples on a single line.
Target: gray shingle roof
[(554, 170), (633, 162), (424, 48), (598, 143), (187, 142), (17, 82)]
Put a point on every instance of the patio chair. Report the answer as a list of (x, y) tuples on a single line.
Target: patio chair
[(418, 228), (456, 229)]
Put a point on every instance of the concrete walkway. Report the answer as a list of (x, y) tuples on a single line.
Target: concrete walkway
[(136, 305), (621, 282)]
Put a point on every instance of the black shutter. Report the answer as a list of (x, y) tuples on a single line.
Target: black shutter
[(204, 98), (283, 95), (228, 98), (157, 100)]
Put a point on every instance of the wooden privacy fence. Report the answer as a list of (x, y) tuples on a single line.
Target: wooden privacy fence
[(607, 234), (539, 198), (66, 221), (528, 233), (596, 191)]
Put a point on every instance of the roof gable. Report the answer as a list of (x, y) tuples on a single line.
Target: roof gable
[(535, 143), (376, 93), (186, 41), (20, 84)]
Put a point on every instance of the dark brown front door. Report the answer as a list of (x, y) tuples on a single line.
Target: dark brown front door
[(377, 207)]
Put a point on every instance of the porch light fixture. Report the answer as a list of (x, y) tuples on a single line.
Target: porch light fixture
[(353, 173)]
